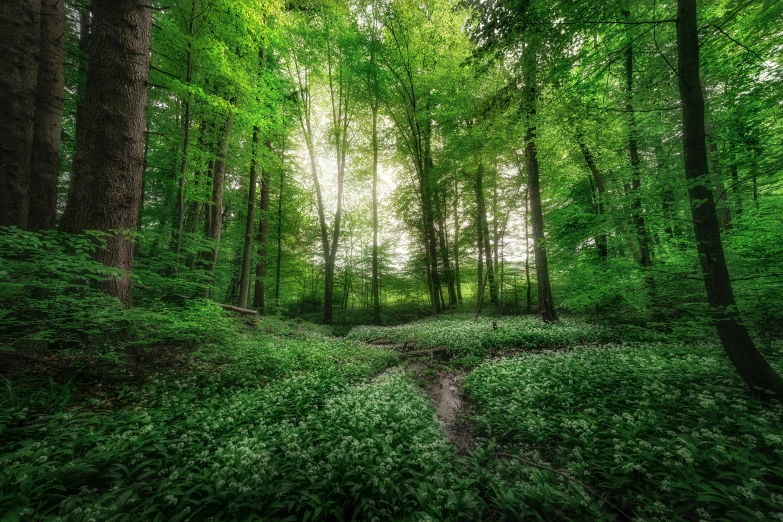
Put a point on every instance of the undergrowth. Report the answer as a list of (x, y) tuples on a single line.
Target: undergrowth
[(282, 424), (660, 432)]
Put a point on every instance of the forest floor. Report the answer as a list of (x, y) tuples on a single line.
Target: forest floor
[(440, 419)]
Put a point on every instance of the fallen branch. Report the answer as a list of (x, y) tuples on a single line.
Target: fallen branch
[(237, 309)]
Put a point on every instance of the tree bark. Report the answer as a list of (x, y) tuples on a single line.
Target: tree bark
[(457, 281), (247, 249), (259, 291), (481, 209), (215, 224), (376, 295), (20, 36), (279, 238), (105, 189), (529, 296), (749, 362), (49, 100), (183, 167), (546, 305)]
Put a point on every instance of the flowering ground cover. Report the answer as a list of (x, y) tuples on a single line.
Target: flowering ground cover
[(658, 432), (261, 427)]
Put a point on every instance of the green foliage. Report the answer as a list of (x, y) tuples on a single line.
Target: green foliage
[(268, 425), (664, 431), (466, 336)]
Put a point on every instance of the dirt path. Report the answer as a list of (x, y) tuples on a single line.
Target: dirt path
[(450, 405)]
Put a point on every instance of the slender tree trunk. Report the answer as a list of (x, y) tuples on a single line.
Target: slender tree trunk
[(444, 254), (49, 99), (216, 201), (528, 286), (749, 362), (376, 295), (279, 238), (183, 167), (20, 35), (479, 260), (105, 189), (259, 292), (247, 249), (546, 305), (481, 210), (640, 226), (457, 280), (602, 240)]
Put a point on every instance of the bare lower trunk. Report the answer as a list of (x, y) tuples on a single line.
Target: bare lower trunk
[(19, 51), (259, 292), (749, 362), (376, 295), (481, 210), (247, 248), (279, 238), (105, 189), (457, 281), (216, 201), (546, 305), (49, 99)]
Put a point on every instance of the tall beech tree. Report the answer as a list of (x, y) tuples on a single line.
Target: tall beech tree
[(20, 23), (105, 189)]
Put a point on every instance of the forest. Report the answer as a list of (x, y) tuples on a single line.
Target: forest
[(415, 260)]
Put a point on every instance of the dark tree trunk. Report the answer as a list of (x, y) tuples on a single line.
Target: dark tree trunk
[(749, 362), (250, 221), (259, 291), (546, 305), (20, 35), (105, 189), (444, 253), (479, 261), (49, 99)]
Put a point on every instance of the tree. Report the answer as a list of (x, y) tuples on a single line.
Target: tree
[(105, 190), (739, 346), (19, 50)]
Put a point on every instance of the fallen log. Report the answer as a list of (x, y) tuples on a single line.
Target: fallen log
[(237, 309)]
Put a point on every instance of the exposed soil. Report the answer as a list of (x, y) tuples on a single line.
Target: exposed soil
[(450, 405)]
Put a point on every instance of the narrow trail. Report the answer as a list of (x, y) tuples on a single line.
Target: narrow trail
[(442, 387)]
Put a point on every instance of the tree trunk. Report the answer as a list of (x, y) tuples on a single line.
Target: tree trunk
[(602, 241), (19, 51), (457, 281), (546, 305), (105, 189), (259, 292), (633, 149), (215, 224), (749, 362), (49, 100), (279, 238), (247, 249), (481, 210), (479, 260), (722, 203), (376, 295), (529, 296), (183, 167)]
